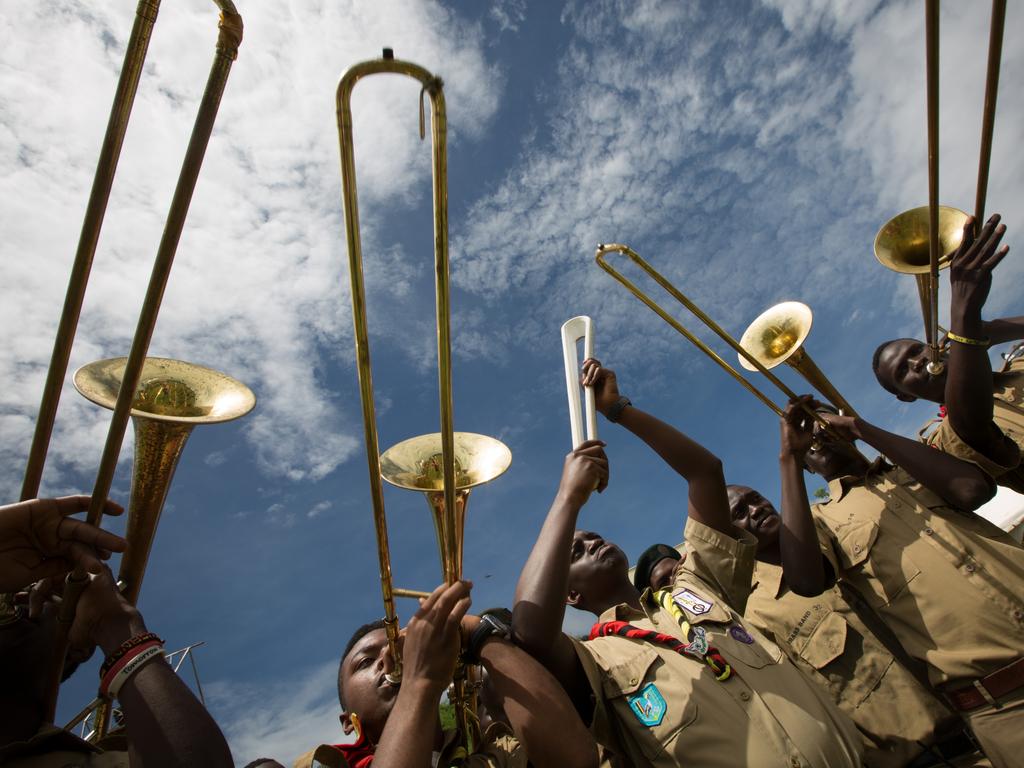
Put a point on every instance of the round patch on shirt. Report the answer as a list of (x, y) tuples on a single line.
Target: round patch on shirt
[(741, 635)]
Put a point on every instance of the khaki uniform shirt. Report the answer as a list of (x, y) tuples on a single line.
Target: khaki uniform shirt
[(656, 707), (1008, 415), (949, 585), (830, 642)]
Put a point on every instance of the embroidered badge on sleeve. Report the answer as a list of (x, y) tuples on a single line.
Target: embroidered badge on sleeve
[(648, 705)]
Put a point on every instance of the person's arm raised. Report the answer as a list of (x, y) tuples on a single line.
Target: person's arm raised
[(962, 485), (707, 499), (969, 372), (544, 582), (165, 723), (802, 562)]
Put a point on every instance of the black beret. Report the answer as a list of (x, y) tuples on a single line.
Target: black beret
[(650, 558)]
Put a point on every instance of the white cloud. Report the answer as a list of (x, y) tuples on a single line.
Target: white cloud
[(259, 288), (280, 719), (508, 14), (319, 508)]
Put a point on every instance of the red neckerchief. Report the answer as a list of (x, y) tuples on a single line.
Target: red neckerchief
[(942, 411), (711, 656), (358, 754)]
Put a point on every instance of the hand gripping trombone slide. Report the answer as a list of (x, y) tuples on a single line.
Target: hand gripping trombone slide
[(444, 466)]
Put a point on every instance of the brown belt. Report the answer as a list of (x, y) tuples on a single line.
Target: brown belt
[(989, 688)]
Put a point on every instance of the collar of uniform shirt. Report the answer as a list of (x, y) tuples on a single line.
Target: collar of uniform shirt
[(839, 486)]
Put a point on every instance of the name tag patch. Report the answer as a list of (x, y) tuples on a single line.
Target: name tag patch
[(648, 705), (739, 633), (691, 602)]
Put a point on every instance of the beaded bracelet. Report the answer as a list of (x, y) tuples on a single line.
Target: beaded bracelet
[(126, 646), (964, 340), (130, 663)]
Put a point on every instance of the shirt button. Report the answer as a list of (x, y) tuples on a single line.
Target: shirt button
[(795, 762), (744, 695), (928, 531), (970, 568), (856, 547), (1018, 615), (633, 681)]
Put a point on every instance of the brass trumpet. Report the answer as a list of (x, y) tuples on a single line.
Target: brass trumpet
[(744, 354), (443, 465), (922, 240), (228, 40)]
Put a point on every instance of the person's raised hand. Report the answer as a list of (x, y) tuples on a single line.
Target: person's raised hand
[(970, 270), (39, 540), (843, 426), (433, 638), (584, 471), (796, 428), (603, 381), (103, 616)]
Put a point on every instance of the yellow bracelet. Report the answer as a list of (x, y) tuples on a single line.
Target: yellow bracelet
[(964, 340)]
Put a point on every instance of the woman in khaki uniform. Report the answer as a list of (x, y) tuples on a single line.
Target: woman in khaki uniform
[(949, 584), (982, 419), (682, 681)]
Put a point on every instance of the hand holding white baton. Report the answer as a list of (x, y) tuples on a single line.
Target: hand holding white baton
[(580, 327)]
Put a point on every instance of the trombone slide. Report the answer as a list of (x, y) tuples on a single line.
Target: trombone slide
[(579, 327)]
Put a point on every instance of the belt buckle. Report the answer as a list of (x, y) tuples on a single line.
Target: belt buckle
[(980, 687)]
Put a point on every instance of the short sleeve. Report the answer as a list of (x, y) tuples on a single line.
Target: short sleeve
[(948, 441), (724, 562), (499, 750)]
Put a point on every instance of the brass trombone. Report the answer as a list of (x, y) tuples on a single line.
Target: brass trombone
[(901, 243), (443, 465), (228, 40), (744, 354)]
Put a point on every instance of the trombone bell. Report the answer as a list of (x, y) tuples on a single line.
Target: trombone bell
[(173, 397), (777, 336), (902, 242)]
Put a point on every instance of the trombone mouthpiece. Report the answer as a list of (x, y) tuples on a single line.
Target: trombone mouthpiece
[(388, 54), (935, 369), (394, 681)]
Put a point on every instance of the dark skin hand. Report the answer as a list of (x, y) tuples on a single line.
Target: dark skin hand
[(166, 724), (962, 485), (38, 540), (968, 391), (707, 500), (798, 549), (430, 652)]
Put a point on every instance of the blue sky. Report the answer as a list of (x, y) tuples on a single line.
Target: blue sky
[(749, 150)]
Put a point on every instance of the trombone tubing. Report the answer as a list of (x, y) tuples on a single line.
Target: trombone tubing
[(106, 167), (433, 86), (625, 250), (932, 91), (228, 40), (988, 119)]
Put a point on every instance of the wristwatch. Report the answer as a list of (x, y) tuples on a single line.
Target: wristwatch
[(615, 412), (489, 626)]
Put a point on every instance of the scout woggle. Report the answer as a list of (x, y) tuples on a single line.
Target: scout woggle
[(697, 647)]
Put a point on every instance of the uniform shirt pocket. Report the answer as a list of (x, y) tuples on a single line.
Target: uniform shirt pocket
[(825, 643), (855, 541), (652, 708)]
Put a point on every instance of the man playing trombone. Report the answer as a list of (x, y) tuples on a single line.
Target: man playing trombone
[(982, 420), (949, 584), (399, 726)]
